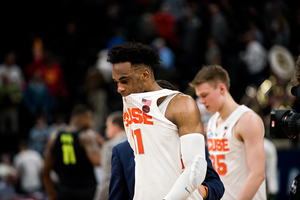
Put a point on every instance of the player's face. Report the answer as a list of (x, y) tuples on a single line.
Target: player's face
[(109, 131), (210, 96), (128, 80)]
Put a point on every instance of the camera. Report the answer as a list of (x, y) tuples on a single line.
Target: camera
[(285, 123)]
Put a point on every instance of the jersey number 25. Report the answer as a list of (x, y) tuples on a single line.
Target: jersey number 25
[(217, 163)]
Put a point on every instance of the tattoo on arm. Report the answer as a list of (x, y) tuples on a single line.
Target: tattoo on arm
[(91, 146)]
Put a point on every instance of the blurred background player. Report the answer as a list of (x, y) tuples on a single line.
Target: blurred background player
[(73, 153)]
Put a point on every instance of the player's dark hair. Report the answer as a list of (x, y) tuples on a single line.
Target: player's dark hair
[(79, 109), (134, 52), (166, 84)]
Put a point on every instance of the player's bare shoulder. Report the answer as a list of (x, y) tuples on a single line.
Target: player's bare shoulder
[(249, 119), (249, 124), (88, 140), (184, 112), (86, 135), (182, 103)]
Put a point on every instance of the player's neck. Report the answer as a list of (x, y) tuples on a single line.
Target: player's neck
[(227, 108), (153, 86), (72, 127)]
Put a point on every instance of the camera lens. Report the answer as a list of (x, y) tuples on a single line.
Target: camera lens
[(285, 124), (291, 124)]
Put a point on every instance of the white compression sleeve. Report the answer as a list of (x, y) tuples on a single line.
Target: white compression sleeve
[(193, 156)]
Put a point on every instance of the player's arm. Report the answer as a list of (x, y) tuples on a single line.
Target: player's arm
[(183, 111), (92, 149), (250, 130), (212, 181), (49, 162)]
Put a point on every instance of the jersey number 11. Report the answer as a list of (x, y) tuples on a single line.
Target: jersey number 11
[(138, 142)]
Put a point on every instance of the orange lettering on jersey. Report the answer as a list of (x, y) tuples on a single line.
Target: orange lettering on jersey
[(210, 144), (182, 165), (125, 119), (147, 118), (225, 144), (130, 116), (218, 144), (135, 115)]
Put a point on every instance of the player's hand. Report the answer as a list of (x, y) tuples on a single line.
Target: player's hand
[(202, 192)]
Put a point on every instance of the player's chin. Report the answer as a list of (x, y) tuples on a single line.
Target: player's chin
[(124, 94), (210, 109)]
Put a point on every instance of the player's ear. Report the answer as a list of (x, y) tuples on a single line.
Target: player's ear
[(222, 87), (146, 73)]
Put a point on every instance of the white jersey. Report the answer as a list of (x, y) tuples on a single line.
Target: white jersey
[(156, 145), (228, 155)]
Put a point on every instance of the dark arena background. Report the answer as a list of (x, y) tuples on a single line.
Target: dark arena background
[(73, 37)]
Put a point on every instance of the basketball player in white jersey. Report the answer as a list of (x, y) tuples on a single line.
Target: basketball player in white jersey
[(235, 137), (162, 126)]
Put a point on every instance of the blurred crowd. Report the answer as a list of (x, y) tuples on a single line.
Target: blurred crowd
[(54, 58)]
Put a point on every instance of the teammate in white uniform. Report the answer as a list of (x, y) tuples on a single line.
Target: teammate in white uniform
[(235, 137), (162, 127)]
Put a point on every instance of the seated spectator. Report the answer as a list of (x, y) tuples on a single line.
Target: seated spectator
[(166, 25), (38, 58), (51, 73), (11, 88), (38, 135), (28, 163), (12, 70), (165, 53), (53, 76), (8, 178), (166, 69), (103, 66), (36, 96), (255, 57), (10, 97)]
